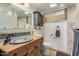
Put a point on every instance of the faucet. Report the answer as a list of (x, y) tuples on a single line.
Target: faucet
[(8, 38)]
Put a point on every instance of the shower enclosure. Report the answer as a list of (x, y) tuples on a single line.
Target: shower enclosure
[(56, 38), (76, 43)]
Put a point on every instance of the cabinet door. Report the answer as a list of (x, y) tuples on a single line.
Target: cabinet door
[(38, 50), (37, 47)]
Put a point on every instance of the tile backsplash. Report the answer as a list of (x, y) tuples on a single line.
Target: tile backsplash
[(3, 36)]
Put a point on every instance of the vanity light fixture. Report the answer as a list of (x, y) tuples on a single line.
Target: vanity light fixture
[(10, 13), (52, 5)]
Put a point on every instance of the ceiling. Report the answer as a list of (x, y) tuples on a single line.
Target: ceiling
[(41, 7), (44, 7)]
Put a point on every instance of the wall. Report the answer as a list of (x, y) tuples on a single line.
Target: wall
[(55, 16), (77, 15), (71, 17)]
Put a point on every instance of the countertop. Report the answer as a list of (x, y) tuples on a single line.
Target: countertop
[(9, 47)]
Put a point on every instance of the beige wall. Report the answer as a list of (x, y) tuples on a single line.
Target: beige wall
[(54, 16), (71, 16), (77, 15)]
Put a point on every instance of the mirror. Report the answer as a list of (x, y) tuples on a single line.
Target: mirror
[(11, 17)]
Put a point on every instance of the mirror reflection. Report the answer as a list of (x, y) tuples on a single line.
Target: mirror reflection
[(12, 17)]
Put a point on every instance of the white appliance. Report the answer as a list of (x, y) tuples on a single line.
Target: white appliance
[(51, 41)]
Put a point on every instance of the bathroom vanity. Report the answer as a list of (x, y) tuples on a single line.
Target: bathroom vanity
[(31, 48), (19, 23)]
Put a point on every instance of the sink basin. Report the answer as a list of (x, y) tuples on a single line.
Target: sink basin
[(20, 40)]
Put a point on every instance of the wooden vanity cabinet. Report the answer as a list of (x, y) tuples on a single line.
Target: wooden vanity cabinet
[(37, 48), (33, 48), (21, 51)]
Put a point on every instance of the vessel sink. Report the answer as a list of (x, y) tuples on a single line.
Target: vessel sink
[(20, 40)]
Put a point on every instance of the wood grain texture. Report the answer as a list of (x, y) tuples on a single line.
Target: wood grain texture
[(33, 48)]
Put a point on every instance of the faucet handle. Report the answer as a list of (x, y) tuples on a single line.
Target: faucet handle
[(5, 42), (8, 38)]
